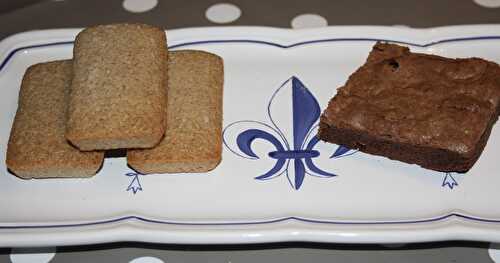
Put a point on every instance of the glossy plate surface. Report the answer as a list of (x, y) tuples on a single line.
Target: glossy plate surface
[(276, 181)]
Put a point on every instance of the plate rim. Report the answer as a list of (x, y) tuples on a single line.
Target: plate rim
[(11, 45)]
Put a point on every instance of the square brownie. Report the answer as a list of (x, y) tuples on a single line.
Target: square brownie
[(421, 109)]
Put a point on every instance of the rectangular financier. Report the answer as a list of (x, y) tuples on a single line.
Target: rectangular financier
[(192, 141), (37, 147), (118, 90)]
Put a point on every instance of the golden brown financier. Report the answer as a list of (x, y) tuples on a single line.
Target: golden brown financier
[(118, 91), (192, 141), (37, 147)]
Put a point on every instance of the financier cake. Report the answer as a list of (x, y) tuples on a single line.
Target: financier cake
[(421, 109), (192, 141), (118, 94), (37, 147)]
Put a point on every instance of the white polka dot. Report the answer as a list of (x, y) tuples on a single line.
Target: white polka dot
[(139, 6), (308, 21), (223, 13), (394, 245), (32, 255), (146, 260), (494, 252), (488, 3)]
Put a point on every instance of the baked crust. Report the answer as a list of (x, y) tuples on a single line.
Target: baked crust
[(422, 109), (118, 90), (37, 147), (192, 141)]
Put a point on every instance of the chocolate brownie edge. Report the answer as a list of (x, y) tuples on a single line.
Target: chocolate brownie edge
[(427, 157)]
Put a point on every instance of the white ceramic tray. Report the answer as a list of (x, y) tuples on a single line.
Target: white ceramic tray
[(254, 196)]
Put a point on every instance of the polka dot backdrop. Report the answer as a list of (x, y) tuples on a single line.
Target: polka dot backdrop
[(494, 252), (304, 14), (488, 3), (32, 255), (223, 13), (139, 6), (146, 260), (308, 21)]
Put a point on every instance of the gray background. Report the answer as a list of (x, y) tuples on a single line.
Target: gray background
[(24, 15), (279, 252)]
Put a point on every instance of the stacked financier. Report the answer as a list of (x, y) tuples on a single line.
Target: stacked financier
[(192, 141), (118, 92), (37, 147), (113, 94)]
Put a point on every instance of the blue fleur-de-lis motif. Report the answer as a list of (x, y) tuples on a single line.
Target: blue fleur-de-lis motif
[(449, 181), (293, 137), (135, 184)]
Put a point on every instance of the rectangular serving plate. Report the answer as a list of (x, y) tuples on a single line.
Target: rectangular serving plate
[(275, 182)]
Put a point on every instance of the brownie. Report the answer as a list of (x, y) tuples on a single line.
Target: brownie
[(420, 109)]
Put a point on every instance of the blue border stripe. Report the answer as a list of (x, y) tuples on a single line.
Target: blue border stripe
[(268, 43), (300, 219), (13, 52), (278, 220), (334, 40)]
